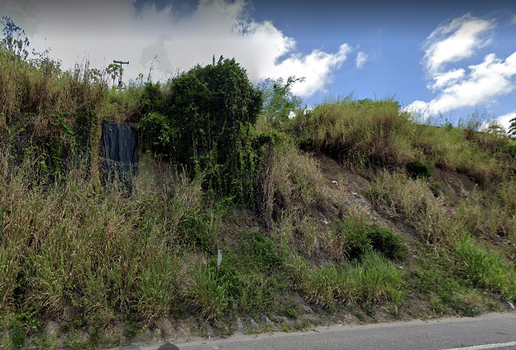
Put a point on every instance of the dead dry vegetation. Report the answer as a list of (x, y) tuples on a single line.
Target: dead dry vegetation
[(353, 213)]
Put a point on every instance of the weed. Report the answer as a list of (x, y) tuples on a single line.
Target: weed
[(206, 292), (133, 329), (487, 269), (435, 188)]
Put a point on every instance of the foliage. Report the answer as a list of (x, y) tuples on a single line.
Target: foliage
[(14, 40), (362, 239), (206, 125), (115, 71), (358, 132), (419, 169), (485, 268), (371, 280), (279, 101)]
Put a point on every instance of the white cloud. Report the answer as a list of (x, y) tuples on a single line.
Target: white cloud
[(442, 80), (315, 68), (513, 20), (108, 30), (455, 41), (479, 84), (484, 83), (362, 58)]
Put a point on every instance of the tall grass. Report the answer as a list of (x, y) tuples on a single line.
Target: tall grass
[(363, 133), (486, 268), (359, 132), (373, 279), (96, 252), (290, 183), (411, 201)]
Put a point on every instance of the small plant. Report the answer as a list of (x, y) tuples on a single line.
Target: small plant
[(419, 169), (387, 243), (207, 293), (18, 335), (362, 239), (436, 189)]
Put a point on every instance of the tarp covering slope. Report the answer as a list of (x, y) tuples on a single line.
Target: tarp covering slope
[(120, 152)]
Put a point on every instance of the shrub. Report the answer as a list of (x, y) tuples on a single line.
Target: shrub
[(208, 125), (418, 169), (362, 239), (357, 241), (387, 242)]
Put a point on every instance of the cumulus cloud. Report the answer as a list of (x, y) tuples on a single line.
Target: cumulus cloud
[(108, 30), (471, 86), (361, 59), (483, 84), (455, 41), (442, 80)]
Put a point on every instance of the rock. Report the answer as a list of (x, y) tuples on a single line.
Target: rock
[(51, 329), (277, 319), (168, 347), (267, 320), (307, 309), (239, 324), (252, 322), (511, 305)]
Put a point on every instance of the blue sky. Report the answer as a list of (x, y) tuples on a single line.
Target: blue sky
[(443, 60)]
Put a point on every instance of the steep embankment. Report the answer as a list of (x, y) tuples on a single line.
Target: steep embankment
[(352, 212)]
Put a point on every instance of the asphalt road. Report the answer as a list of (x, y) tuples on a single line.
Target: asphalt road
[(492, 331)]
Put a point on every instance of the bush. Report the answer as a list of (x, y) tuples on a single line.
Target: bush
[(419, 169), (362, 239), (209, 114), (387, 242)]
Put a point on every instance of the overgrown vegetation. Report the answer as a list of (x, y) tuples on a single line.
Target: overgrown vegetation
[(431, 229)]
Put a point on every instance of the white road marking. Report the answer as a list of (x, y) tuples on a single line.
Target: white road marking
[(487, 346)]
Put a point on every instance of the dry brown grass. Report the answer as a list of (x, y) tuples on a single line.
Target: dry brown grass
[(290, 184), (359, 132), (411, 200)]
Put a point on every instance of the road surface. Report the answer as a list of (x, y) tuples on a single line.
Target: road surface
[(491, 331)]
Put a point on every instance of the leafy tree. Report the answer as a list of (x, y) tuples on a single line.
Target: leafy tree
[(114, 71), (279, 100), (14, 39)]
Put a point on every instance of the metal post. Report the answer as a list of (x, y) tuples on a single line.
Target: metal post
[(219, 260)]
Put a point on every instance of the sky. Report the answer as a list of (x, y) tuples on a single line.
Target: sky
[(443, 61)]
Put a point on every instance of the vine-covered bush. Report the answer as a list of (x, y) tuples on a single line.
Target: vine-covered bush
[(205, 125)]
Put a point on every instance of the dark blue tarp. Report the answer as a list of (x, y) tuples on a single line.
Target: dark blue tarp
[(120, 152)]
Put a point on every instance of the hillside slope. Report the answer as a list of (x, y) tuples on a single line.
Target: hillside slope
[(350, 212)]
